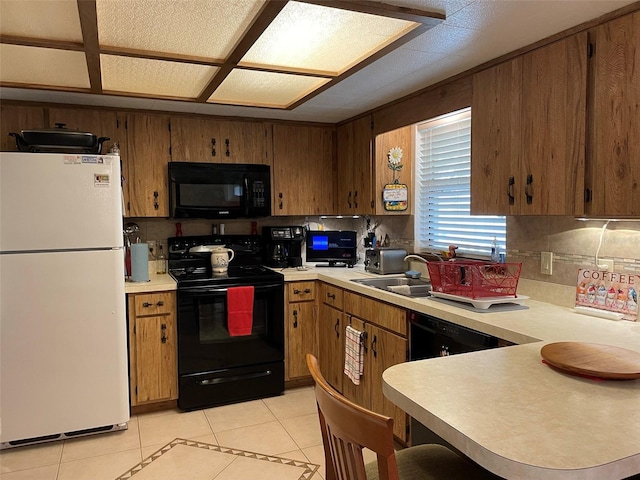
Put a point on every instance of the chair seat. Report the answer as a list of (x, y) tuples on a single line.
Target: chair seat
[(432, 462)]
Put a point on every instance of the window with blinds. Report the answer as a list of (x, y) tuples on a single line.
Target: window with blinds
[(443, 191)]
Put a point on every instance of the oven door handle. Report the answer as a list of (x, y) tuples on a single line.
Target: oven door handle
[(214, 291)]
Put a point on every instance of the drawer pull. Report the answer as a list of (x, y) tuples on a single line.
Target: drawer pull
[(297, 292), (160, 303), (331, 296)]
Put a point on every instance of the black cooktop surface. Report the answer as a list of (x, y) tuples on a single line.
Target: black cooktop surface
[(192, 269)]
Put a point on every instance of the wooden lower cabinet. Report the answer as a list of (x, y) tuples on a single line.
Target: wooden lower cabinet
[(385, 345), (153, 359), (331, 345), (300, 328)]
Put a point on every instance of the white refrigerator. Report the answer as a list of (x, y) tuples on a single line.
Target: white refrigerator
[(63, 343)]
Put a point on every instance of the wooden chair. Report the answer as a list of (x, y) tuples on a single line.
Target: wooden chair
[(347, 428)]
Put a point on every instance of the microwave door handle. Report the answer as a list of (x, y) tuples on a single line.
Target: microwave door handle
[(246, 195)]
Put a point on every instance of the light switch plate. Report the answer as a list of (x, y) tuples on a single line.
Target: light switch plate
[(546, 263)]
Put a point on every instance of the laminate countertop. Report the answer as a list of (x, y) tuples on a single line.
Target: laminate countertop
[(506, 409)]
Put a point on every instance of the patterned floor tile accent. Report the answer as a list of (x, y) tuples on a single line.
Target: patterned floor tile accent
[(306, 469)]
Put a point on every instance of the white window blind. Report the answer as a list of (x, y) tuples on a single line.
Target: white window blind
[(443, 192)]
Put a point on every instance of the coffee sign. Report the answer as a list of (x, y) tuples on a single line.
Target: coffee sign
[(611, 291)]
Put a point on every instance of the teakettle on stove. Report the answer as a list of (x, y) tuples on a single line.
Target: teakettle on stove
[(220, 258)]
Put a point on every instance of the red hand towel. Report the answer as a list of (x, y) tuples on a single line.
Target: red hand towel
[(239, 311)]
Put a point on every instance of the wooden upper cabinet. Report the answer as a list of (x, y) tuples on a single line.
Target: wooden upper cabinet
[(195, 140), (198, 139), (303, 175), (496, 139), (148, 145), (15, 118), (528, 123), (613, 173), (355, 167), (403, 138)]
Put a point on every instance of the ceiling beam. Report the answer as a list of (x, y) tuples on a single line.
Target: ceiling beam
[(42, 43), (166, 56), (89, 26), (383, 9), (269, 12)]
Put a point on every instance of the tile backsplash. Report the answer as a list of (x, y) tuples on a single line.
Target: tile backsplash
[(573, 242)]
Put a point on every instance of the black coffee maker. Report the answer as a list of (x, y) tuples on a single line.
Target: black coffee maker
[(283, 246)]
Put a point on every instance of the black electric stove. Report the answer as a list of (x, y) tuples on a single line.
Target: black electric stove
[(214, 366), (194, 269)]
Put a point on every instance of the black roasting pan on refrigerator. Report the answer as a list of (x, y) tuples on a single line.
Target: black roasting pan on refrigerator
[(58, 140)]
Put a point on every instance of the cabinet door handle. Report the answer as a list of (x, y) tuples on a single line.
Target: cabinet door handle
[(332, 296), (337, 328), (213, 147), (226, 142), (512, 182), (156, 205), (528, 189), (373, 346), (295, 319), (163, 328), (349, 199), (280, 197), (355, 199)]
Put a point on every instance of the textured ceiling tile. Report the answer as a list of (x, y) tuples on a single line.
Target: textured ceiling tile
[(43, 66), (154, 77), (52, 20), (204, 28), (313, 38), (248, 87)]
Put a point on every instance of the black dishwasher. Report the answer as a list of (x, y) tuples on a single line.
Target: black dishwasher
[(432, 337)]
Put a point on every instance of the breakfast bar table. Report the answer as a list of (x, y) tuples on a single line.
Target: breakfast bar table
[(521, 419)]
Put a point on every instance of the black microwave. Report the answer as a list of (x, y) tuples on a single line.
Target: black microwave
[(219, 190)]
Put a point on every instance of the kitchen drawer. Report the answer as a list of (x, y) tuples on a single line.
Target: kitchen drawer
[(379, 313), (331, 295), (154, 304), (301, 291)]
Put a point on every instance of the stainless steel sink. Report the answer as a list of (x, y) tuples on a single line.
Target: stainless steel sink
[(409, 287)]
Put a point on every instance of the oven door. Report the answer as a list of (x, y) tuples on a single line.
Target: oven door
[(204, 343)]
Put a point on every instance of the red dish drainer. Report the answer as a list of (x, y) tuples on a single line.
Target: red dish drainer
[(475, 279)]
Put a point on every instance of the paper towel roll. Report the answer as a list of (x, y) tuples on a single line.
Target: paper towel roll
[(140, 262)]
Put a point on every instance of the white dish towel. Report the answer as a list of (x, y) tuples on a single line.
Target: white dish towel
[(353, 354)]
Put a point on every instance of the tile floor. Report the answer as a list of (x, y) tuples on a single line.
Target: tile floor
[(285, 426)]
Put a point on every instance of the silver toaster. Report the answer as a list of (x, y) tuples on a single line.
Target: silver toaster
[(385, 260)]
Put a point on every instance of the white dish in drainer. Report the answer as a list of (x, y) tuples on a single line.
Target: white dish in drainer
[(481, 303)]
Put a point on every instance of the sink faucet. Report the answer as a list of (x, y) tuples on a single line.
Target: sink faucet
[(418, 257)]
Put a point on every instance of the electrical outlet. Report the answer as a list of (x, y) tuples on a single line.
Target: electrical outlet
[(546, 263), (605, 265)]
